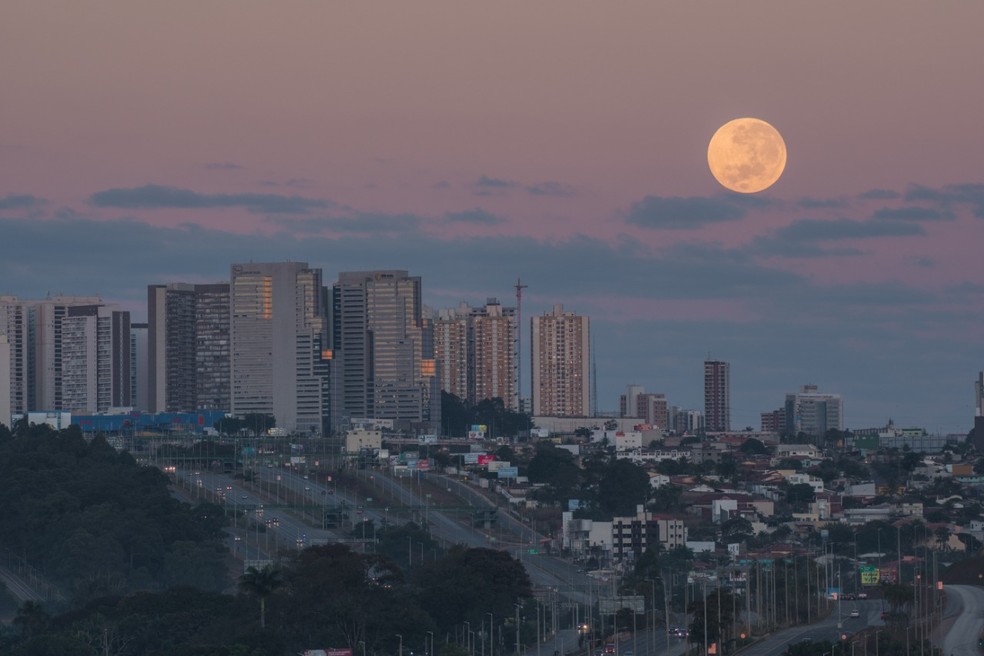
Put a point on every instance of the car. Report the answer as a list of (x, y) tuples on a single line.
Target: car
[(244, 497), (855, 613)]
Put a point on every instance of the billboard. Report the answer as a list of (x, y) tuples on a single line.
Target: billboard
[(609, 605), (471, 458), (508, 472), (485, 458)]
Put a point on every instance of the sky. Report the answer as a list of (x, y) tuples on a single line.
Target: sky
[(560, 142)]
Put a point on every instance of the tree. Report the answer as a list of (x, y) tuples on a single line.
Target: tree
[(31, 618), (753, 447), (800, 494), (261, 583), (623, 486), (555, 468)]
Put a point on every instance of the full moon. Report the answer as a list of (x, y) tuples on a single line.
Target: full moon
[(746, 155)]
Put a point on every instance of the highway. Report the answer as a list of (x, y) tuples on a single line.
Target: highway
[(826, 629), (964, 605)]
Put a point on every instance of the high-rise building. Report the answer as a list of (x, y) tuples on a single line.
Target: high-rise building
[(188, 345), (279, 348), (44, 348), (138, 367), (475, 349), (685, 421), (628, 403), (95, 359), (452, 346), (814, 413), (979, 395), (384, 364), (561, 356), (717, 396), (14, 327), (774, 422), (494, 354), (5, 411)]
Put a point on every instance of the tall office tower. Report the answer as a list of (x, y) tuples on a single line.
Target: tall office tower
[(279, 346), (212, 347), (814, 413), (384, 365), (451, 350), (717, 396), (171, 347), (44, 348), (561, 356), (5, 411), (493, 354), (95, 359), (138, 367), (13, 326), (188, 346)]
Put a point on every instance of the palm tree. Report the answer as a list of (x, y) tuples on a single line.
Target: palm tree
[(260, 583)]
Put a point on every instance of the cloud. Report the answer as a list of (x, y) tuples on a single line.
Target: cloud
[(839, 229), (495, 183), (913, 213), (476, 216), (20, 201), (848, 338), (966, 194), (362, 223), (879, 194), (683, 213), (161, 197), (821, 203), (223, 166), (550, 188)]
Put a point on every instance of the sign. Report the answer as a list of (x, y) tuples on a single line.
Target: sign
[(609, 605), (424, 464), (471, 458), (485, 458), (508, 472), (887, 575), (475, 435), (869, 575)]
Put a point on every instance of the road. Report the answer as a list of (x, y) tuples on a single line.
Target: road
[(827, 629), (964, 607)]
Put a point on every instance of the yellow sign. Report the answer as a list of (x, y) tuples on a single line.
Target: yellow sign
[(870, 575)]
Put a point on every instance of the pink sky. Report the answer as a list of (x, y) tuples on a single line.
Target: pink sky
[(555, 117)]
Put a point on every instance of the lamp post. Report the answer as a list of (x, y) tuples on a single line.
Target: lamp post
[(400, 636), (431, 634), (491, 632)]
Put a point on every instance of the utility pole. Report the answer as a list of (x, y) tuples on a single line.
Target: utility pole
[(519, 286)]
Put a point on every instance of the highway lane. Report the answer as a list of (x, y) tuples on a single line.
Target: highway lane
[(965, 605), (826, 629)]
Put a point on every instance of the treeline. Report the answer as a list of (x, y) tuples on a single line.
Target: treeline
[(96, 523), (145, 574), (324, 596)]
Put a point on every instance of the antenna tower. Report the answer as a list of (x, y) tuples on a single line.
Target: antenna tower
[(519, 342)]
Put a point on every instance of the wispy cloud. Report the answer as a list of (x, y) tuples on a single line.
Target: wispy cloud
[(162, 197), (913, 213), (20, 201), (879, 194), (551, 188), (476, 216), (362, 223), (683, 213), (495, 183)]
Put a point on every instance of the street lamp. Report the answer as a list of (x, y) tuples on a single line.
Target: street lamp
[(400, 636), (491, 632), (431, 634)]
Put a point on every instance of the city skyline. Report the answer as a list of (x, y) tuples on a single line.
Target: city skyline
[(138, 148)]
